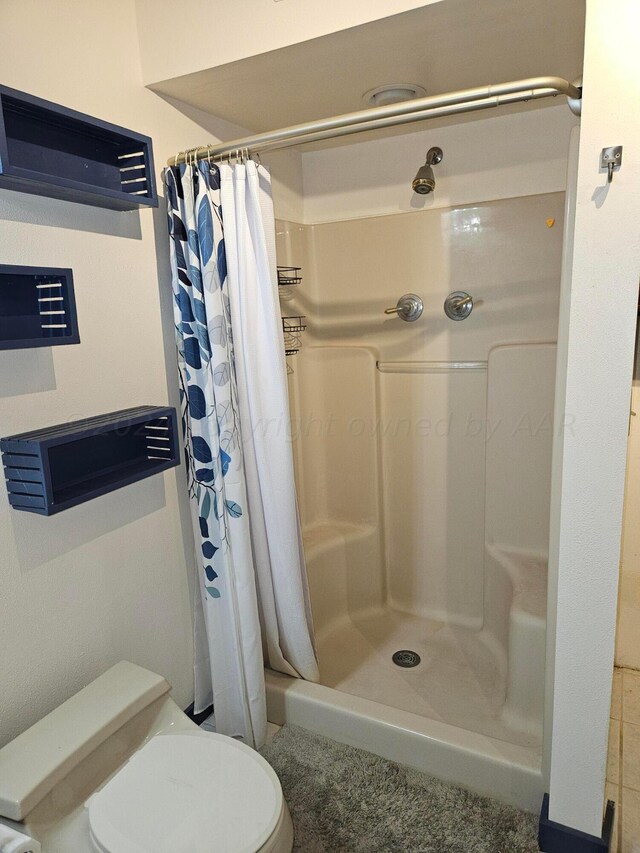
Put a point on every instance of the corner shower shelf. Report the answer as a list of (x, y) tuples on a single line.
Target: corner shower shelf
[(53, 151), (52, 469), (288, 276), (292, 328), (37, 307)]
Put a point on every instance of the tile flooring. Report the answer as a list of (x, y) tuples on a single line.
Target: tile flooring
[(623, 766)]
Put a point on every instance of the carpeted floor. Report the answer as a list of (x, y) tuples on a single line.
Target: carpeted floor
[(346, 800)]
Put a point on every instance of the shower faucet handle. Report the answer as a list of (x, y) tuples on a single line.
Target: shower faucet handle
[(409, 307), (458, 305)]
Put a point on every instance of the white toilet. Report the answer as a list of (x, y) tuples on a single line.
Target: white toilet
[(119, 768)]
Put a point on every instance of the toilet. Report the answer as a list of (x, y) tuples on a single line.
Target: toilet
[(119, 768)]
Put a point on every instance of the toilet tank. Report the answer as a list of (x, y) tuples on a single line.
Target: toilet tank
[(39, 758)]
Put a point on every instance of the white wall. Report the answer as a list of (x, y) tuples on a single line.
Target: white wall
[(595, 354), (628, 639), (109, 579), (500, 156), (244, 28)]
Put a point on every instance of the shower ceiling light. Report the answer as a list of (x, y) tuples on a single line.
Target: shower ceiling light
[(393, 93)]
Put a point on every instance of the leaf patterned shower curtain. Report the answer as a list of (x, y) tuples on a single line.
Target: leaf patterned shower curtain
[(252, 581)]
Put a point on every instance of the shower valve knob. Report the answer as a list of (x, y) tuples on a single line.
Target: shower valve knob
[(409, 307), (458, 305)]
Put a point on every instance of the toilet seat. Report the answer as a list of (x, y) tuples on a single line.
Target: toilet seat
[(186, 792)]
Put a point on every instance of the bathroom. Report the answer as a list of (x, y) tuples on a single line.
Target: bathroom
[(436, 483)]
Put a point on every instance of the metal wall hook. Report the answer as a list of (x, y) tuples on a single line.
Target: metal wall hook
[(610, 159)]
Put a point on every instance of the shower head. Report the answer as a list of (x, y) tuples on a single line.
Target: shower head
[(424, 182)]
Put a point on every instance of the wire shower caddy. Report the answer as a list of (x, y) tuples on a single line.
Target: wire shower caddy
[(292, 329), (288, 276), (292, 325)]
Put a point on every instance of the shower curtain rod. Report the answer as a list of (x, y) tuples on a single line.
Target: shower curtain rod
[(452, 103)]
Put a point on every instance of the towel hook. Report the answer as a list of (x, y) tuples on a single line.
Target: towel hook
[(610, 159)]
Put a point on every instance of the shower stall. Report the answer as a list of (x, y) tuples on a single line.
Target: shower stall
[(421, 402), (423, 464), (423, 449)]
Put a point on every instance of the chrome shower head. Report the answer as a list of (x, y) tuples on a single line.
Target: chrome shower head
[(424, 182)]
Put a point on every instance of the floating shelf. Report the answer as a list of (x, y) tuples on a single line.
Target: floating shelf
[(37, 307), (53, 151), (52, 469)]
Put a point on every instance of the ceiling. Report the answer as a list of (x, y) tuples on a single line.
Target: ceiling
[(443, 47)]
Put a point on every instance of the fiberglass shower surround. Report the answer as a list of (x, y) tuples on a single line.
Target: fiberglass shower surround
[(432, 541)]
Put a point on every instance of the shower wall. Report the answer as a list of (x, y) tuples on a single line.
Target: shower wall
[(426, 440)]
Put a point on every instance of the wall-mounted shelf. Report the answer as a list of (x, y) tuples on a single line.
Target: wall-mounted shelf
[(53, 151), (37, 307), (52, 469)]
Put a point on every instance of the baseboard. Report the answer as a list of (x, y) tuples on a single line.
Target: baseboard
[(198, 718), (557, 838)]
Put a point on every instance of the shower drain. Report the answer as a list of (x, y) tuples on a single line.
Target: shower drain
[(406, 658)]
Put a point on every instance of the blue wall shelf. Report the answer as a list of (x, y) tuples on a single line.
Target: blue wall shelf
[(53, 151), (37, 307), (52, 469)]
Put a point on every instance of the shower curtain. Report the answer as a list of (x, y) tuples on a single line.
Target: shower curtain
[(252, 601)]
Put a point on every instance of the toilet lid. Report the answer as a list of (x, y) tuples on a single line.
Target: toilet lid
[(187, 792)]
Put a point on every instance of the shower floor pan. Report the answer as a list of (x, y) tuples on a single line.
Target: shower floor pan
[(459, 679), (509, 772), (449, 715)]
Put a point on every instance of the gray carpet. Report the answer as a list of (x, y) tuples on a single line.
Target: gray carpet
[(348, 800)]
